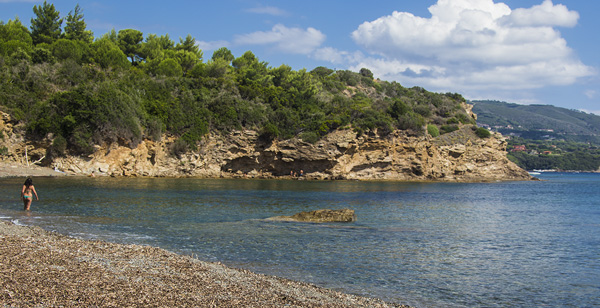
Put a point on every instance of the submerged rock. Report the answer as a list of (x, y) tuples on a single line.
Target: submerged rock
[(325, 215)]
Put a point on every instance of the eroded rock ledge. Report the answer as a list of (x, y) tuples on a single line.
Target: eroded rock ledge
[(456, 156)]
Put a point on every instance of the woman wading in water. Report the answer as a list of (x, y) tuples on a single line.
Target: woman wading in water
[(27, 194)]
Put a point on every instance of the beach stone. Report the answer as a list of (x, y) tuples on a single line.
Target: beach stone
[(324, 215)]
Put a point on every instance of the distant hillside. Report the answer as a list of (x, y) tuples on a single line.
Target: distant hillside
[(538, 122)]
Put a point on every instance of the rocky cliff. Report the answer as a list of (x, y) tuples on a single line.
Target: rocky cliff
[(456, 156)]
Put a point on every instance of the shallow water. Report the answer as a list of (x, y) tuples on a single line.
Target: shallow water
[(517, 244)]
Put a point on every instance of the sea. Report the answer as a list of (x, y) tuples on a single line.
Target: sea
[(503, 244)]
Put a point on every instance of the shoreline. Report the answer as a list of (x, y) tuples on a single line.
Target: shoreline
[(16, 170), (12, 170), (39, 267)]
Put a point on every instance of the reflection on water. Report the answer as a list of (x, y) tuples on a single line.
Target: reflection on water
[(425, 244)]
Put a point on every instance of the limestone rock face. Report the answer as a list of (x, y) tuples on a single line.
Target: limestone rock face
[(320, 216), (342, 154)]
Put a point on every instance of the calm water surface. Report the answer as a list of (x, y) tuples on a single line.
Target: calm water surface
[(514, 244)]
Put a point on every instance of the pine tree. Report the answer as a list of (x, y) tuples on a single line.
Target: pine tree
[(75, 29), (45, 28)]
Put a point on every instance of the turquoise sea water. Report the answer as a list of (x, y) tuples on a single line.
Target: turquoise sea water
[(512, 244)]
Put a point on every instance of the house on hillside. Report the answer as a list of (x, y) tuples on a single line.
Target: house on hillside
[(519, 148)]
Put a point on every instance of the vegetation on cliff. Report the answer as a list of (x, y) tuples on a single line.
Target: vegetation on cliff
[(544, 136), (124, 86)]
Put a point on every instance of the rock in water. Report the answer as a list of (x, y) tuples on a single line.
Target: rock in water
[(325, 215)]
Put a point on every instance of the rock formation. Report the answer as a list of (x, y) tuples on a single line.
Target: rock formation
[(319, 216), (342, 154)]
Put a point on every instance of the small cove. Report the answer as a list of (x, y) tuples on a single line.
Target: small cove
[(512, 244)]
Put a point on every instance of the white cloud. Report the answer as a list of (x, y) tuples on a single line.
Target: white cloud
[(330, 54), (336, 56), (473, 45), (269, 10), (545, 14), (213, 45), (290, 40), (591, 94)]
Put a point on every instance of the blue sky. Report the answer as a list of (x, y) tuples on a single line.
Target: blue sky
[(519, 51)]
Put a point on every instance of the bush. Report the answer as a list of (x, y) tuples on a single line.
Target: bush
[(411, 121), (58, 147), (482, 132), (433, 130), (169, 68), (464, 118), (310, 137), (179, 147), (398, 109), (423, 110), (444, 129), (269, 132), (42, 55)]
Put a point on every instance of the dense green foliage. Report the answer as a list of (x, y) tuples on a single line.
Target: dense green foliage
[(555, 155), (124, 86), (482, 132), (569, 138), (539, 122)]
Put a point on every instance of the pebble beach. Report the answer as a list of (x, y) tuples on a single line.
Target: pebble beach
[(39, 268)]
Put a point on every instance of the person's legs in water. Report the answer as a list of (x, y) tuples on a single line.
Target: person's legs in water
[(27, 202)]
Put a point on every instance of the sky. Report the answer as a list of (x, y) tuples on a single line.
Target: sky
[(517, 51)]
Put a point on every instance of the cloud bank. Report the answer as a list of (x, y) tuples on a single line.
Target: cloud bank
[(472, 46)]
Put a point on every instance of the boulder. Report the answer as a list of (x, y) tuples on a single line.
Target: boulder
[(325, 215)]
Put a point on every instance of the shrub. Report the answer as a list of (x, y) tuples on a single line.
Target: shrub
[(452, 121), (310, 137), (178, 147), (411, 121), (365, 72), (169, 68), (269, 132), (423, 110), (433, 130), (464, 118), (482, 132), (58, 147), (42, 55), (444, 129), (398, 109)]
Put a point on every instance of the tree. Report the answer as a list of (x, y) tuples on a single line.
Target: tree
[(322, 71), (169, 68), (45, 28), (189, 44), (108, 54), (223, 53), (75, 28), (186, 59), (130, 42), (155, 46), (365, 72), (64, 49), (13, 36)]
